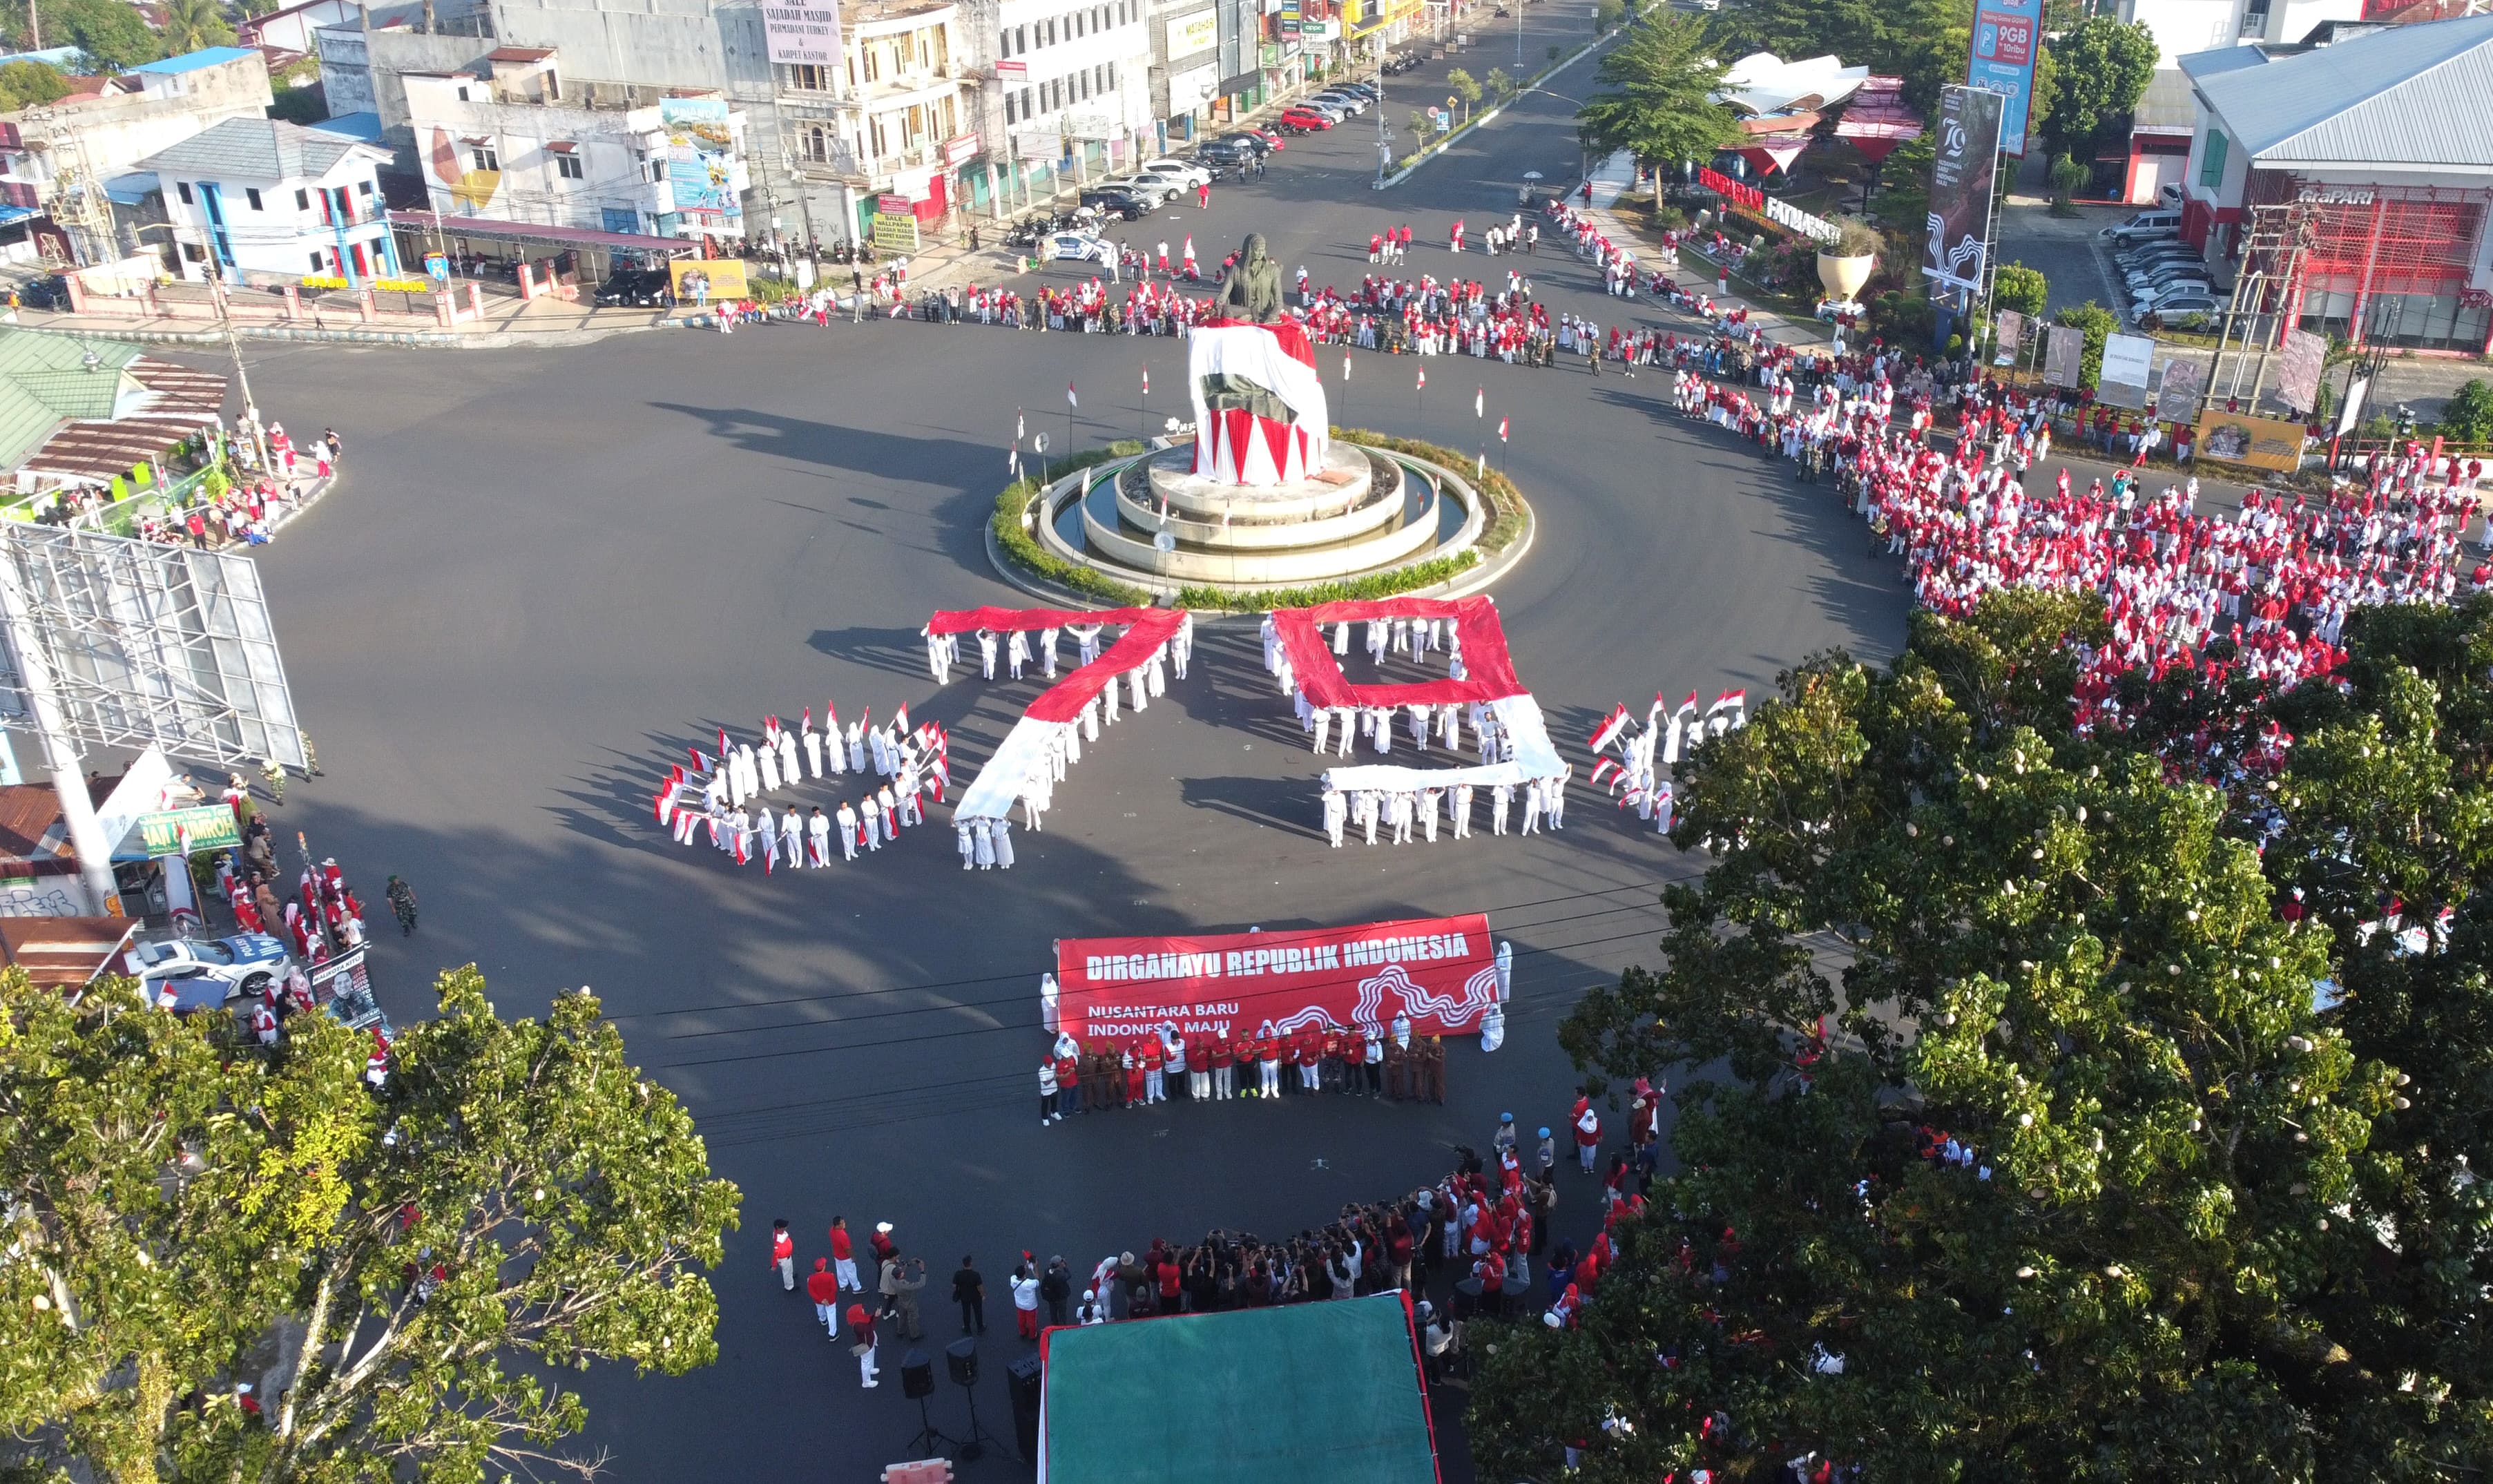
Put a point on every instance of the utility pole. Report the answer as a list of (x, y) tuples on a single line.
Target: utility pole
[(242, 378), (34, 25)]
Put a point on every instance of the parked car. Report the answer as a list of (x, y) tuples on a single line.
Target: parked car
[(2143, 225), (1122, 206), (2167, 277), (1185, 172), (50, 292), (641, 286), (186, 973), (1367, 90), (1259, 142), (1349, 102), (2158, 258), (1300, 120), (1078, 247), (1153, 189), (1323, 105), (2181, 307)]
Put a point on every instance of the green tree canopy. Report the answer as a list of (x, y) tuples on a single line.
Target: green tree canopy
[(2100, 325), (2099, 71), (2219, 1218), (111, 34), (23, 84), (193, 26), (2468, 416), (183, 1205), (1657, 100), (2021, 289)]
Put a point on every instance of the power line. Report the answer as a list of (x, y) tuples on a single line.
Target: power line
[(982, 1030), (1275, 935), (1024, 995)]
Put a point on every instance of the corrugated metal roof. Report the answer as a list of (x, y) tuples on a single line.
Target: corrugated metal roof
[(44, 382), (65, 952), (256, 150), (193, 61), (2409, 96)]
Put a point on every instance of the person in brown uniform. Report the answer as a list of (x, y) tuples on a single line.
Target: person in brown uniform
[(1432, 1069)]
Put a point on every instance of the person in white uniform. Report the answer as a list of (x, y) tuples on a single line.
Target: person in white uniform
[(768, 758), (1532, 806), (792, 837), (788, 758), (818, 831), (813, 751), (848, 820), (1459, 804), (857, 746), (1500, 800), (1335, 812)]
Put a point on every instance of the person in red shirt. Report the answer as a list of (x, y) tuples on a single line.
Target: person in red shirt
[(1490, 1270), (823, 1286), (1588, 1131), (783, 1256), (1150, 1061), (1224, 1067), (1068, 1074), (1198, 1067), (1135, 1073), (1310, 1048), (844, 1256), (1354, 1062), (862, 1343), (1328, 1060)]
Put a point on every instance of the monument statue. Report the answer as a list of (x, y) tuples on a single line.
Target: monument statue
[(1251, 288), (1259, 407)]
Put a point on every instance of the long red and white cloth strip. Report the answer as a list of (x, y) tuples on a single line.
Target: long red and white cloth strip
[(1240, 447), (1025, 750), (1490, 679)]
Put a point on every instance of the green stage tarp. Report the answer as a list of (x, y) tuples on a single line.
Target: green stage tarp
[(1321, 1391)]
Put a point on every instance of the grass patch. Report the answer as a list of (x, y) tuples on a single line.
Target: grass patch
[(1014, 503), (1428, 574), (1506, 505)]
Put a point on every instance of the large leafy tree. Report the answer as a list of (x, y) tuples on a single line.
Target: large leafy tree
[(193, 26), (412, 1267), (1659, 101), (2099, 71), (111, 34), (2213, 1225)]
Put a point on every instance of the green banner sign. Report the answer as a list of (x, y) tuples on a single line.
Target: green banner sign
[(211, 827)]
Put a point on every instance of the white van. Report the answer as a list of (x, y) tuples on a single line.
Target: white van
[(2145, 225)]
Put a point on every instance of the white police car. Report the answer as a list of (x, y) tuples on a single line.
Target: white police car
[(202, 973)]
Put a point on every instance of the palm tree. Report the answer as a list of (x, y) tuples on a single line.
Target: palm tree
[(193, 26)]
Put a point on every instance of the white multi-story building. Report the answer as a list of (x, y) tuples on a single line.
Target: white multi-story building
[(1073, 83), (894, 119), (514, 144), (255, 199)]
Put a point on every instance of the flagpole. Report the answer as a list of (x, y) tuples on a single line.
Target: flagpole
[(1345, 390)]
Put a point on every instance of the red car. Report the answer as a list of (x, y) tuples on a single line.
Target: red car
[(1302, 120)]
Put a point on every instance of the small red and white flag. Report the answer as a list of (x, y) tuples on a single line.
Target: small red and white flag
[(1071, 399), (1424, 378), (1501, 430), (830, 718), (900, 722), (807, 724), (1019, 432), (1605, 769), (1479, 402), (1611, 728), (666, 795), (1147, 381), (1735, 702), (724, 749), (701, 761), (743, 855), (1345, 366)]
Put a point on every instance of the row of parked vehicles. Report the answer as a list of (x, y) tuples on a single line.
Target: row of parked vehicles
[(1323, 110), (2169, 283)]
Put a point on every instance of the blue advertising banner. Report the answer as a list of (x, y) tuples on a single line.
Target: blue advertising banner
[(700, 154), (2007, 37)]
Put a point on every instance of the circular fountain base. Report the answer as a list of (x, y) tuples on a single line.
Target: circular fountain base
[(1152, 521)]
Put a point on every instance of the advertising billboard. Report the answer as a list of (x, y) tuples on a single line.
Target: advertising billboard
[(1190, 34), (2064, 354), (2007, 37), (699, 280), (803, 32), (2261, 442), (2298, 374), (700, 154), (2123, 381), (1956, 244), (2176, 397), (1441, 972)]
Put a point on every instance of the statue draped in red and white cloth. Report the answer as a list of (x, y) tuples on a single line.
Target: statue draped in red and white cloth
[(1259, 407)]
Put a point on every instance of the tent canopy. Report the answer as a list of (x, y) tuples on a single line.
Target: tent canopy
[(1326, 1391)]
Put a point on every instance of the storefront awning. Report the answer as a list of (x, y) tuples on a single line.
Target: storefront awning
[(522, 231)]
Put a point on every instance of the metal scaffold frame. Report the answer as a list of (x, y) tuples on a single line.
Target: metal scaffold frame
[(145, 644)]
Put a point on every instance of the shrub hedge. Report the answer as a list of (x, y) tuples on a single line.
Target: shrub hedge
[(1506, 523)]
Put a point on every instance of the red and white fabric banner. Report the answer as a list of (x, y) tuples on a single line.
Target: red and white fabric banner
[(1025, 750), (1489, 672), (1440, 972), (1236, 446)]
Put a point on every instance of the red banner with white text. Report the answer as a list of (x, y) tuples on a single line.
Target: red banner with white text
[(1441, 972)]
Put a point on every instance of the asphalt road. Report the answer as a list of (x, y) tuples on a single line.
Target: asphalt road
[(547, 571)]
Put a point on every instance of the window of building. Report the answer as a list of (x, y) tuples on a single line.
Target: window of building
[(363, 187), (1021, 39), (2212, 160), (569, 167), (184, 187), (808, 77), (1004, 44), (192, 251), (658, 171), (252, 193), (1011, 116), (484, 157), (1027, 111), (301, 201), (814, 143), (1051, 34), (319, 263)]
